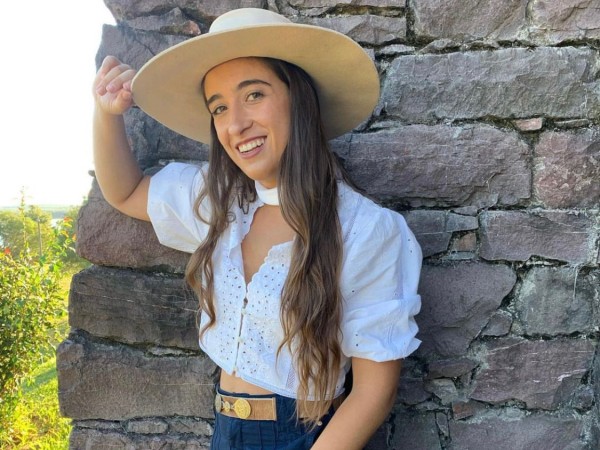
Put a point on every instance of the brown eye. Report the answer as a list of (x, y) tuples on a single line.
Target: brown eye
[(255, 96), (218, 110)]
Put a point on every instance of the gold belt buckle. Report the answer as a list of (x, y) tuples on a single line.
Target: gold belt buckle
[(241, 406), (218, 402)]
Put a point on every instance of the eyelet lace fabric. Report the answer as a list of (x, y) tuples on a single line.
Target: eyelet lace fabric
[(379, 279)]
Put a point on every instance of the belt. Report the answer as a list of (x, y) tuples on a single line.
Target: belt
[(253, 408), (246, 408)]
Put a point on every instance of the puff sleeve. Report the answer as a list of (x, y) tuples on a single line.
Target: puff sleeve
[(380, 276), (171, 197)]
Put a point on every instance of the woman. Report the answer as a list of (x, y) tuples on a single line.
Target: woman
[(299, 277)]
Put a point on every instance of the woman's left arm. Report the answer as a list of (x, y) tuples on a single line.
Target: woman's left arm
[(374, 386)]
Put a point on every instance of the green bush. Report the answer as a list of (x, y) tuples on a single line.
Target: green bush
[(30, 303)]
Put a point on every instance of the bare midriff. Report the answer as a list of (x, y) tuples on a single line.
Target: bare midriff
[(232, 383)]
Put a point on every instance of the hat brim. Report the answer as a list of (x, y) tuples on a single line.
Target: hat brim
[(168, 87)]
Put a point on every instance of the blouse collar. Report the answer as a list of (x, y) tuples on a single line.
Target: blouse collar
[(266, 195)]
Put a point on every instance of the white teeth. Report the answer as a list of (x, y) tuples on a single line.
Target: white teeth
[(250, 145)]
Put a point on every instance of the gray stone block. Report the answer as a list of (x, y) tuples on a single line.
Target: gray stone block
[(450, 368), (147, 426), (553, 22), (131, 46), (542, 374), (433, 229), (444, 389), (487, 19), (567, 169), (519, 235), (172, 22), (152, 142), (536, 432), (207, 9), (415, 431), (458, 301), (508, 83), (557, 300), (499, 325), (95, 440), (115, 382), (333, 3), (441, 165), (107, 237), (134, 307), (365, 28)]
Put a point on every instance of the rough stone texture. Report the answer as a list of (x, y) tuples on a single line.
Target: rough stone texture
[(187, 425), (567, 169), (542, 374), (529, 124), (466, 243), (133, 47), (333, 3), (96, 440), (150, 426), (490, 19), (134, 307), (554, 301), (537, 432), (499, 324), (440, 165), (415, 431), (458, 302), (173, 22), (203, 9), (113, 382), (107, 237), (366, 28), (444, 389), (450, 368), (583, 398), (568, 20), (152, 142), (596, 415), (433, 229), (462, 410), (517, 236), (551, 82)]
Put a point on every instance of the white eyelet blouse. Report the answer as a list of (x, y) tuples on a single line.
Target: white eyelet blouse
[(380, 274)]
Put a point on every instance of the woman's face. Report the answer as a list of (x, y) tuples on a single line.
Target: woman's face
[(250, 107)]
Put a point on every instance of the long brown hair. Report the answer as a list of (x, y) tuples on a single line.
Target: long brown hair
[(311, 301)]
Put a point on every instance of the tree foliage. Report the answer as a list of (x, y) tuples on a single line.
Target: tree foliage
[(30, 301), (28, 227)]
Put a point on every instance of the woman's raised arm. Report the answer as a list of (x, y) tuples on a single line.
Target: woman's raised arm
[(121, 180)]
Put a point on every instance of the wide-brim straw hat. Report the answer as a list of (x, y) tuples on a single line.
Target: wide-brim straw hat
[(168, 87)]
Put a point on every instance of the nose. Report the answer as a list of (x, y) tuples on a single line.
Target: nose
[(239, 120)]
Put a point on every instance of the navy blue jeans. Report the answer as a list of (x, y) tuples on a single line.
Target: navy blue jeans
[(285, 433)]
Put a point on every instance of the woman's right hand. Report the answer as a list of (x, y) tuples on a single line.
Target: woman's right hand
[(112, 86)]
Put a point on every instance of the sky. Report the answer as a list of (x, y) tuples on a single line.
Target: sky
[(48, 50)]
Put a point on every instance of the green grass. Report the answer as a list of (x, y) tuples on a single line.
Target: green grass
[(37, 424)]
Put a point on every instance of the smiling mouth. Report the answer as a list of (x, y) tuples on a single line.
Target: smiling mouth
[(249, 146)]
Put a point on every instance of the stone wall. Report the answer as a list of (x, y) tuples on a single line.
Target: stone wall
[(487, 138)]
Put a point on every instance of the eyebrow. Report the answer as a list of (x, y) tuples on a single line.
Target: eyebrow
[(240, 86)]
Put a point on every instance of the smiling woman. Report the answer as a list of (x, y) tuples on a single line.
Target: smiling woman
[(326, 279), (46, 138)]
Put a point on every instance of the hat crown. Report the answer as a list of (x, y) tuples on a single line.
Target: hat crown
[(246, 17)]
